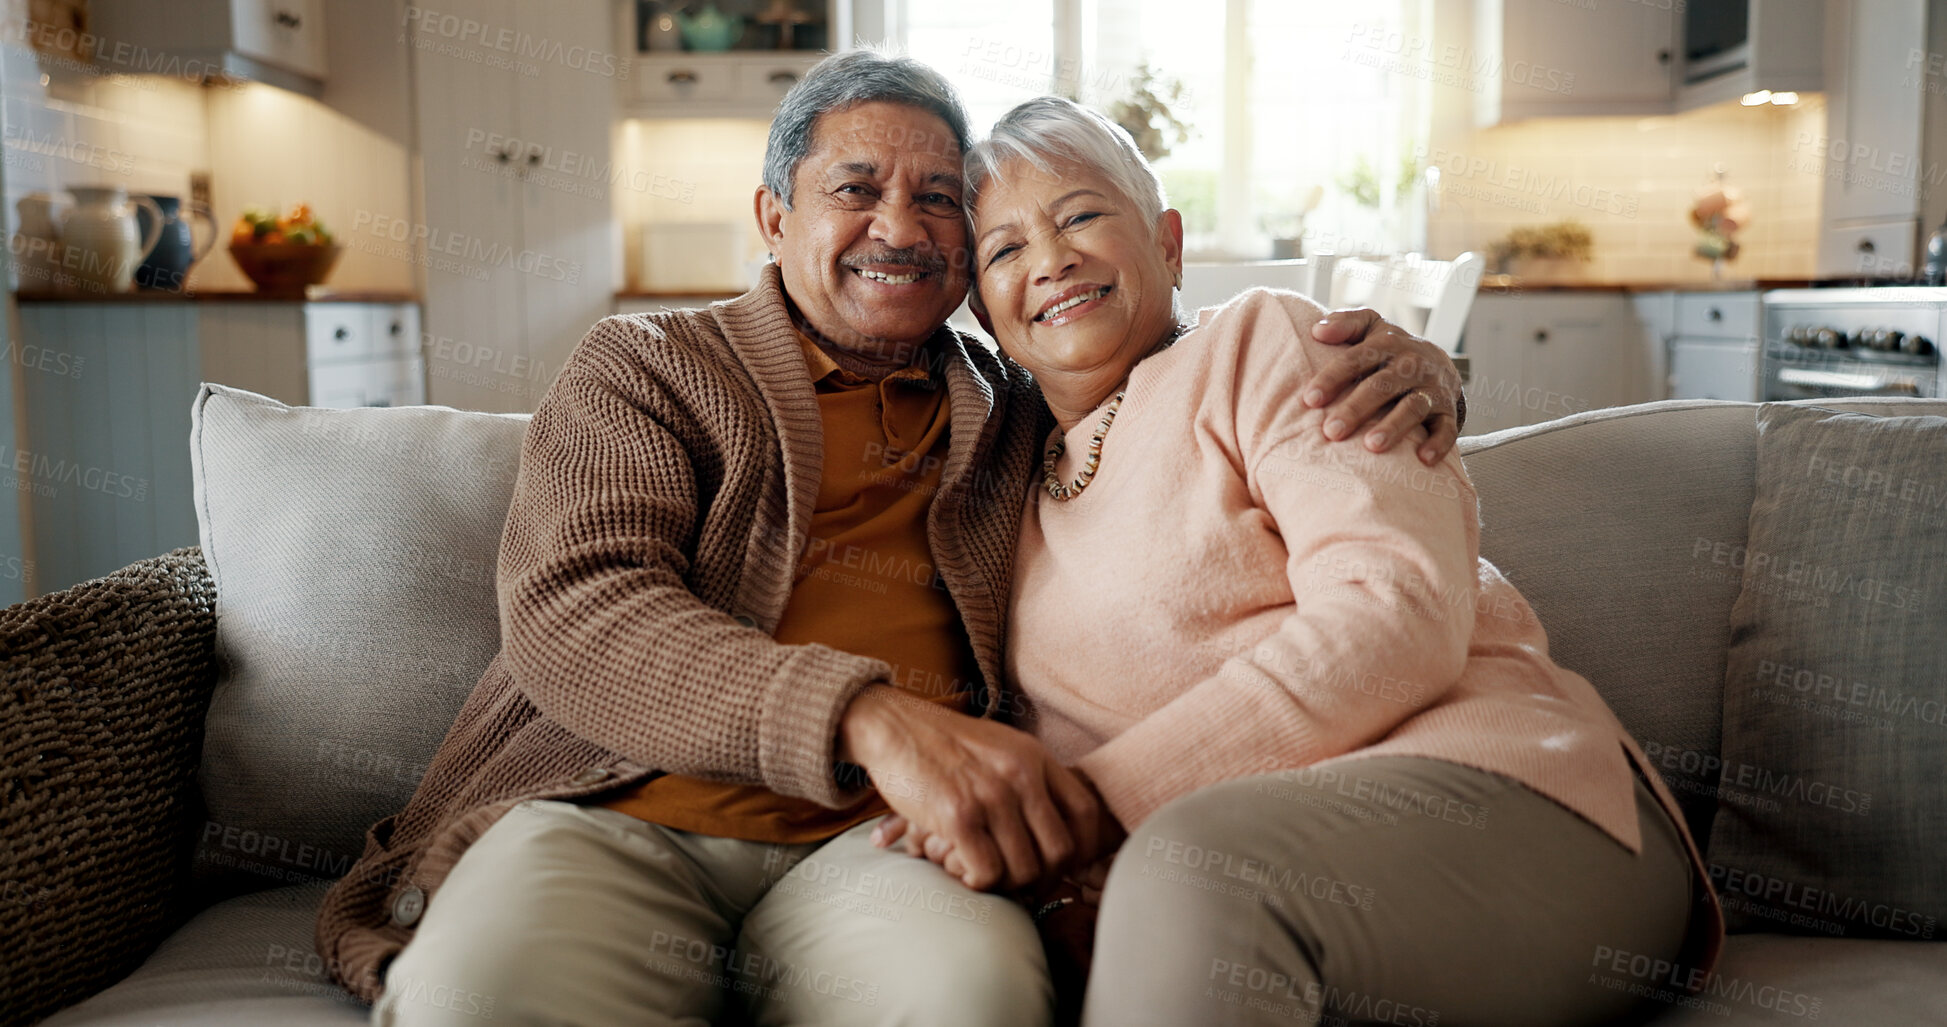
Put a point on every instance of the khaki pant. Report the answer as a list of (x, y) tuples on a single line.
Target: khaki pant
[(569, 914), (1392, 890)]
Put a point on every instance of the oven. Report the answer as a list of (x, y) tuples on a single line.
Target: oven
[(1827, 343)]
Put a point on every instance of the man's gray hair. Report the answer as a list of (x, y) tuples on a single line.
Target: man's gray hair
[(1049, 128), (843, 81)]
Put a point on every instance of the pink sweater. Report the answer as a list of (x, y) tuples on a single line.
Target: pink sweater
[(1234, 595)]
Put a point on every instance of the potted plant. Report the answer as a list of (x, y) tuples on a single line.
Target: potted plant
[(1148, 113), (1553, 252)]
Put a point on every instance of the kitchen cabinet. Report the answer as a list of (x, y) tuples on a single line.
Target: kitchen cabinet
[(1536, 58), (1540, 356), (104, 458), (713, 85), (1781, 51), (277, 41), (518, 240), (1715, 349), (732, 83), (1870, 154), (1656, 319)]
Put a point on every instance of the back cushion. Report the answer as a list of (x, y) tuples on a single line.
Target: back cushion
[(1621, 528), (353, 553)]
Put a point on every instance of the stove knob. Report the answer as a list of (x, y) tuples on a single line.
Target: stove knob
[(1894, 340), (1916, 345), (1831, 338)]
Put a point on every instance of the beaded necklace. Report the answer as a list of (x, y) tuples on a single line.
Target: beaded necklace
[(1063, 493)]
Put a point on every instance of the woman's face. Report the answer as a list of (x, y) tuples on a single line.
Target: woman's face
[(1076, 287)]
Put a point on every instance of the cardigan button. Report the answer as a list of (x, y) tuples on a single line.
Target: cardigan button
[(407, 908), (746, 620), (591, 775)]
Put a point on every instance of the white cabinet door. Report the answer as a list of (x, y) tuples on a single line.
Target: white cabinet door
[(1872, 142), (520, 238), (287, 33), (1714, 369), (566, 213), (1540, 357), (337, 332), (1656, 315), (475, 295), (1571, 58)]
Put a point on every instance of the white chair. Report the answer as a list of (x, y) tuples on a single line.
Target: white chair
[(1430, 298), (1210, 285)]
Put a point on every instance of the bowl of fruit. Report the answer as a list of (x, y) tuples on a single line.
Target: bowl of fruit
[(283, 253)]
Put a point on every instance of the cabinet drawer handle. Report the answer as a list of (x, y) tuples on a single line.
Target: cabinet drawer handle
[(1541, 335), (1866, 246), (1715, 314), (784, 78), (1663, 57), (682, 78), (288, 20), (342, 334), (397, 328)]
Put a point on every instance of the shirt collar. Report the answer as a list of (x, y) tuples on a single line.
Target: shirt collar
[(822, 366)]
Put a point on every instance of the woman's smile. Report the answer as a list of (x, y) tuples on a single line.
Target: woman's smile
[(1072, 304)]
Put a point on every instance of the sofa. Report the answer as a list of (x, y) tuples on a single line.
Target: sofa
[(194, 746)]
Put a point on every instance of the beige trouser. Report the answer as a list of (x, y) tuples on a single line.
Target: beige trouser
[(1392, 890), (563, 913)]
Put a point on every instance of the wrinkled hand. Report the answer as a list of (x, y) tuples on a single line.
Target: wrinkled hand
[(1107, 833), (1408, 380), (1012, 816)]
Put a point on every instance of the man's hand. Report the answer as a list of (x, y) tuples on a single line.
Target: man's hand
[(1108, 835), (1013, 816), (1408, 378)]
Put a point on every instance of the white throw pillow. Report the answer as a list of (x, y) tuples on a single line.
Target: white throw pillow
[(353, 553)]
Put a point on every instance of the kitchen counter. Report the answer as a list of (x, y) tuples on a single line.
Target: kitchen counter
[(1504, 284), (315, 295), (665, 294)]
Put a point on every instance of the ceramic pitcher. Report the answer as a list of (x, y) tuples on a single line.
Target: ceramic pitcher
[(103, 242), (37, 244), (167, 266)]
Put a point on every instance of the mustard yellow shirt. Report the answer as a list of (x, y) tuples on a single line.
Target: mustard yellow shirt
[(865, 584)]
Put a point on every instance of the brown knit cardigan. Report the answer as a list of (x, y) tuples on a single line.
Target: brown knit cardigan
[(665, 491)]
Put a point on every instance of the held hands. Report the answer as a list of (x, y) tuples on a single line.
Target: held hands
[(1108, 833), (1007, 813), (1408, 380)]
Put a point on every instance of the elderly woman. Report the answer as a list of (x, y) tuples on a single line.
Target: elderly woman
[(1352, 780)]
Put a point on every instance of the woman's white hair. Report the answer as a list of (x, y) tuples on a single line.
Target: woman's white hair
[(1048, 129)]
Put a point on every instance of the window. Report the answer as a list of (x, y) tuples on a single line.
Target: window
[(1295, 120)]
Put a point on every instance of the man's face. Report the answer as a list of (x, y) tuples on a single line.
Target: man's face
[(873, 252)]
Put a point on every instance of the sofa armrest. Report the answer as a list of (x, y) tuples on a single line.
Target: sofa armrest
[(103, 688)]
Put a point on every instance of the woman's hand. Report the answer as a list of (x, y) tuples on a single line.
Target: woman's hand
[(1107, 832), (1011, 815), (1408, 380)]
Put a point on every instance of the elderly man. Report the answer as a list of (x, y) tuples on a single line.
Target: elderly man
[(752, 592)]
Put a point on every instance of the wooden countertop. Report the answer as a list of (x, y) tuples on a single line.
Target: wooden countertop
[(1508, 284), (666, 294), (315, 295)]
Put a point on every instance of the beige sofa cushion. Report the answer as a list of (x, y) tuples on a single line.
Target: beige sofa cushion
[(1598, 519), (353, 552), (1617, 526), (1833, 804)]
